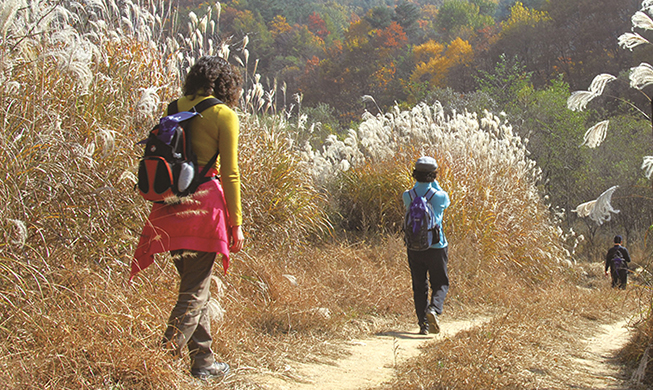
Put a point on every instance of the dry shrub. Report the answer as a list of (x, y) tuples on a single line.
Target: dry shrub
[(281, 205), (369, 196), (497, 218)]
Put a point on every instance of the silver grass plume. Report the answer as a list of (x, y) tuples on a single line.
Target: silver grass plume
[(224, 51), (579, 99), (595, 135), (642, 20), (631, 40), (107, 139), (8, 10), (75, 57), (148, 103), (647, 5), (647, 166), (641, 76), (598, 210), (193, 20), (599, 83), (21, 232), (129, 176)]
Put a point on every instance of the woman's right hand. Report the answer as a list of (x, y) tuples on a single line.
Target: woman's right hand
[(237, 239)]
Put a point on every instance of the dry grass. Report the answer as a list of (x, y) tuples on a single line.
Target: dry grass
[(71, 219), (531, 345)]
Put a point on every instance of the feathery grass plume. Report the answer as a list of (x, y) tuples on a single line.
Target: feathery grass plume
[(631, 40), (599, 83), (74, 54), (641, 76), (596, 134), (647, 166), (598, 210), (579, 99), (642, 20), (148, 105), (20, 235), (107, 138), (8, 10), (370, 99)]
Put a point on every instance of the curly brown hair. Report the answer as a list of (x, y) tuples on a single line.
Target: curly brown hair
[(213, 75)]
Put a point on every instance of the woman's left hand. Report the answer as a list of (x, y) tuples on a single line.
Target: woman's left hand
[(237, 239)]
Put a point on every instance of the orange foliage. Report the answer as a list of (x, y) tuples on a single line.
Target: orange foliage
[(383, 76), (317, 25), (312, 64), (392, 36)]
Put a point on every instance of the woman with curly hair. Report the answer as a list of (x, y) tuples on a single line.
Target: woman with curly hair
[(197, 228)]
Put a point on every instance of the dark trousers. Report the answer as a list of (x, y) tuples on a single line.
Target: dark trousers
[(189, 323), (619, 277), (433, 262)]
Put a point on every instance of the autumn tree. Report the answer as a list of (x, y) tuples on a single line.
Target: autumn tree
[(459, 18), (434, 61)]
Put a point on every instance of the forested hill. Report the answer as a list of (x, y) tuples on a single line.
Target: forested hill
[(334, 52)]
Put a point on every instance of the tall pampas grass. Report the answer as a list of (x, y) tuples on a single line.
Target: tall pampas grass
[(479, 159)]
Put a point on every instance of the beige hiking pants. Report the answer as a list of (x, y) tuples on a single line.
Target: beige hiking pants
[(189, 322)]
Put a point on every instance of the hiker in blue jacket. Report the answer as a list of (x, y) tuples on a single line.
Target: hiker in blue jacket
[(432, 261), (616, 260)]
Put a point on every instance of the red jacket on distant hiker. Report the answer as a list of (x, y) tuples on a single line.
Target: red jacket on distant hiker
[(616, 260)]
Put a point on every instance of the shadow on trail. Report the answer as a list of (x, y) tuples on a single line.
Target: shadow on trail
[(405, 335)]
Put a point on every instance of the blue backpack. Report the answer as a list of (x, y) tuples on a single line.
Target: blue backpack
[(420, 229), (618, 261)]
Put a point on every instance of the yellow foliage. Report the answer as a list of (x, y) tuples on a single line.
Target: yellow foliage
[(430, 12), (521, 16), (279, 25), (427, 51), (358, 35), (436, 64)]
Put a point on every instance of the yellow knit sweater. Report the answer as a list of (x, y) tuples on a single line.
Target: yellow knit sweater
[(217, 129)]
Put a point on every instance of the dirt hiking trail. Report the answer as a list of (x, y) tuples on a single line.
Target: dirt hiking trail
[(598, 363), (371, 361)]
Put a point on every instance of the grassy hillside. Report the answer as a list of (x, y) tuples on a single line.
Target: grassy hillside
[(79, 89)]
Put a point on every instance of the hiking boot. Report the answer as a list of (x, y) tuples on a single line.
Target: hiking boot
[(214, 371), (424, 329), (434, 325)]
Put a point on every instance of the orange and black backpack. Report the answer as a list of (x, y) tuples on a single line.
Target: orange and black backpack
[(168, 169)]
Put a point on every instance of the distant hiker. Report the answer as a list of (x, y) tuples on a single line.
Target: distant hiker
[(616, 260), (428, 258), (196, 229)]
